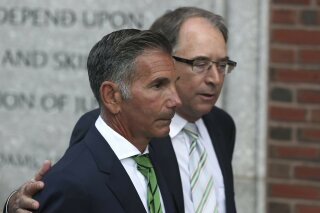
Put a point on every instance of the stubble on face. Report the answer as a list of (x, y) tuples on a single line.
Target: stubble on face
[(149, 111)]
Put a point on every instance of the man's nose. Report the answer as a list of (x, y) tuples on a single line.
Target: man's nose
[(213, 75), (174, 100)]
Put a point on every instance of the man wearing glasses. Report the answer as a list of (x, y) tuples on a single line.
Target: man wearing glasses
[(196, 156)]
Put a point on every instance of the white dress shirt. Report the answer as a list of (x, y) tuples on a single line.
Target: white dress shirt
[(181, 145), (125, 150)]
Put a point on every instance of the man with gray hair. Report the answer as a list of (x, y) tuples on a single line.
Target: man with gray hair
[(110, 169), (196, 157)]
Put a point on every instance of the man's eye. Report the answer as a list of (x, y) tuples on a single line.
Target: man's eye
[(222, 64), (158, 85), (200, 63)]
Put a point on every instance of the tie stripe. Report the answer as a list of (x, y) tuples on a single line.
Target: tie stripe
[(192, 147), (201, 180), (153, 194), (205, 196), (196, 173)]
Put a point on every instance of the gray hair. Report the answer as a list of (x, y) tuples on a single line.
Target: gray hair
[(113, 58), (170, 23)]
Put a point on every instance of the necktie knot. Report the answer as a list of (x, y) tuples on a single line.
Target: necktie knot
[(144, 165), (191, 130), (143, 160)]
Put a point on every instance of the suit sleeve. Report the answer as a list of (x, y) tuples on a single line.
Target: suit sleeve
[(67, 195), (5, 208), (82, 126)]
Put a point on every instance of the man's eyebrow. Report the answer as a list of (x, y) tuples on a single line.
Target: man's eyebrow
[(224, 58), (200, 57), (207, 58), (159, 80)]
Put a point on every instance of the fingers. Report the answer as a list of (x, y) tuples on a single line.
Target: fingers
[(25, 203), (31, 188), (44, 168), (21, 201)]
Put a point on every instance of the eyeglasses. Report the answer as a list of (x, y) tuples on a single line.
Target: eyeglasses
[(201, 64)]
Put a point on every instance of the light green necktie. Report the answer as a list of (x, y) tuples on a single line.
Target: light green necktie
[(202, 186), (153, 195)]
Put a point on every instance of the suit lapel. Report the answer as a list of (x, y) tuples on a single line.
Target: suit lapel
[(162, 151), (216, 139), (166, 196), (116, 177)]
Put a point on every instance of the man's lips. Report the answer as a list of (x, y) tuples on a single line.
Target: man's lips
[(206, 94), (209, 95)]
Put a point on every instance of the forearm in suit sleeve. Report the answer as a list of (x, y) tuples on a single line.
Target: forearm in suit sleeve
[(5, 208)]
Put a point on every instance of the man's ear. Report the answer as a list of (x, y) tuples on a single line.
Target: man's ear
[(111, 96)]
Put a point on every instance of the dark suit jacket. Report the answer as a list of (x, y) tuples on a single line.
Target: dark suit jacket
[(222, 131), (90, 178)]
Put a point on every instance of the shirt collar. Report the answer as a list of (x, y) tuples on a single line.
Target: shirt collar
[(179, 122), (120, 146)]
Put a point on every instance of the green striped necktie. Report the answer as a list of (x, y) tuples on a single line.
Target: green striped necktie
[(201, 180), (144, 165)]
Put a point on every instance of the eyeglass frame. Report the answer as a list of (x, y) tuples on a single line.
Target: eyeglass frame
[(229, 62)]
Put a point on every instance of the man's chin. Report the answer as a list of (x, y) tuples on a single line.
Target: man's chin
[(203, 109), (162, 132)]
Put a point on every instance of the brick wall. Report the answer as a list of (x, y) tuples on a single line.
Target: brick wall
[(293, 176)]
